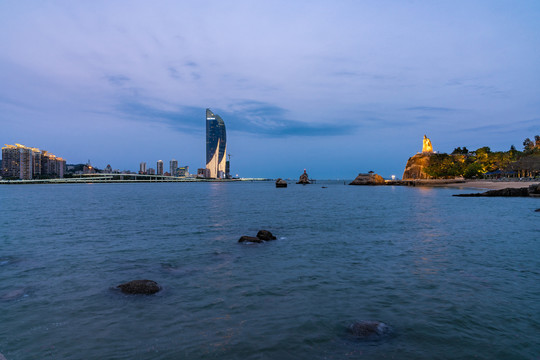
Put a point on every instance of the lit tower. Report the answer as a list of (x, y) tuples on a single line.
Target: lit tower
[(173, 167), (216, 144)]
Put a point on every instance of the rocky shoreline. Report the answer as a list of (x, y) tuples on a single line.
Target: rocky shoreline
[(531, 191)]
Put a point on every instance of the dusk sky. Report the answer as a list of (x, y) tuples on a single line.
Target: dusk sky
[(336, 87)]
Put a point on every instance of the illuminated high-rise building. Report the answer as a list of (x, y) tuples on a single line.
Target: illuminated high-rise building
[(27, 163), (216, 144), (173, 167), (142, 168), (159, 167)]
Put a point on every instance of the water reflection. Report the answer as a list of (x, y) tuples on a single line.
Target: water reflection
[(428, 236)]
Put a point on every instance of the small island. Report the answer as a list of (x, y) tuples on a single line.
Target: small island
[(304, 179)]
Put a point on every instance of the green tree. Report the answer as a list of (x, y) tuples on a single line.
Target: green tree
[(443, 166), (459, 150), (473, 170), (528, 145)]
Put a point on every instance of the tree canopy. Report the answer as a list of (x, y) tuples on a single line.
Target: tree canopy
[(469, 164)]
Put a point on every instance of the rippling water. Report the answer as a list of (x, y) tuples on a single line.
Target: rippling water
[(455, 278)]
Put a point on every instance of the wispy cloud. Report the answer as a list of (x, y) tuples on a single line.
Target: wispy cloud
[(521, 126), (257, 118), (117, 80), (431, 109)]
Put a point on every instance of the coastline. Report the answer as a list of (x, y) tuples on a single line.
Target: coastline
[(100, 180), (486, 184)]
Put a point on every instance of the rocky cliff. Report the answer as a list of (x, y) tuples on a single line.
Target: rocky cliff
[(415, 167)]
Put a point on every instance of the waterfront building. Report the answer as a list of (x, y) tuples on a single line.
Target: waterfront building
[(108, 169), (27, 163), (151, 171), (173, 167), (216, 144), (36, 153), (142, 168), (183, 171), (159, 167), (203, 173)]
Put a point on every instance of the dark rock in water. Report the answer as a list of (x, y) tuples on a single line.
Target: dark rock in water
[(146, 287), (368, 179), (508, 192), (304, 179), (537, 210), (250, 239), (265, 235), (369, 330), (281, 183)]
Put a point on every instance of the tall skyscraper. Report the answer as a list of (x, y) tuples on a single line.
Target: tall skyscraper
[(173, 167), (216, 144), (159, 167), (142, 168)]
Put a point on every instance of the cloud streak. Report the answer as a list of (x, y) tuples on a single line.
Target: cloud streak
[(256, 118)]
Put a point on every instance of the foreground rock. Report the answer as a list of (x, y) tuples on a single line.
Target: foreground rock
[(508, 192), (13, 295), (369, 330), (265, 235), (146, 287), (537, 210), (368, 179), (304, 179), (250, 239), (2, 357), (262, 236), (281, 183)]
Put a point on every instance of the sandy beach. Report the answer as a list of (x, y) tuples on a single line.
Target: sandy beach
[(490, 185)]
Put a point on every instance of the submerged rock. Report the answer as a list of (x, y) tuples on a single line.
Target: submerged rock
[(537, 210), (13, 295), (265, 235), (369, 330), (507, 192), (250, 239), (145, 287)]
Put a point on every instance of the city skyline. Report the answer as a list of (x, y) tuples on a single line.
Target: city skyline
[(346, 88)]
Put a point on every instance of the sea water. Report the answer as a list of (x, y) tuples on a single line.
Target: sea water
[(453, 278)]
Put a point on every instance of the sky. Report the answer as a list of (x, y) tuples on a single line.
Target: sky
[(335, 87)]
